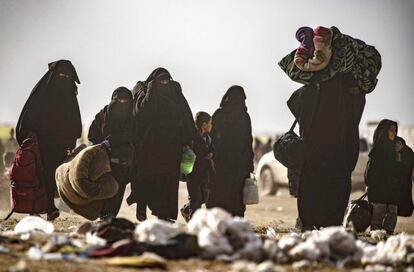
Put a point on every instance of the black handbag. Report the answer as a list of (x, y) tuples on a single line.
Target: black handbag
[(358, 214), (289, 149)]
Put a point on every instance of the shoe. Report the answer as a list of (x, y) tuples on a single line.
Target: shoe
[(53, 215)]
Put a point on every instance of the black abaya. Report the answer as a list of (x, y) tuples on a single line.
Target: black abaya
[(52, 113), (232, 139), (164, 126)]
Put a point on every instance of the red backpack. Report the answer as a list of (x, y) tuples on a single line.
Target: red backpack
[(27, 192)]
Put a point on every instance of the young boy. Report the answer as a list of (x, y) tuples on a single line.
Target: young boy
[(198, 180)]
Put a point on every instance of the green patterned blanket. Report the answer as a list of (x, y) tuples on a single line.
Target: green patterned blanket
[(349, 56)]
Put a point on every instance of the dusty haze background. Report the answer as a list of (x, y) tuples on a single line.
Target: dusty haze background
[(206, 45)]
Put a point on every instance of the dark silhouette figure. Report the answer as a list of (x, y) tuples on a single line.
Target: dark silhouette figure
[(114, 123), (164, 128), (232, 139), (52, 113)]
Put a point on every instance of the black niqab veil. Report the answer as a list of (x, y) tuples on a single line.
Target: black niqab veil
[(160, 71), (52, 110), (235, 95), (232, 139), (119, 110)]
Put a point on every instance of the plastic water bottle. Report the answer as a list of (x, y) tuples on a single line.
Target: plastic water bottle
[(187, 161)]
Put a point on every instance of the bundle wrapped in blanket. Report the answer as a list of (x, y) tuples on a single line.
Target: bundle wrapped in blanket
[(85, 182), (324, 52)]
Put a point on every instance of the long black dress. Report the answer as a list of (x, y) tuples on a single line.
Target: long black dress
[(52, 113), (232, 139), (328, 109), (329, 116), (164, 126), (115, 124)]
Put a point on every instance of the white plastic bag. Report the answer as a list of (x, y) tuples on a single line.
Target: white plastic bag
[(33, 223), (250, 191)]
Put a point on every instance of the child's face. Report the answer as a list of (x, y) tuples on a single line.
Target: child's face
[(207, 126), (392, 132)]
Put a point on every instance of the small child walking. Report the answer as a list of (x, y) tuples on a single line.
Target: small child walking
[(198, 180), (384, 176)]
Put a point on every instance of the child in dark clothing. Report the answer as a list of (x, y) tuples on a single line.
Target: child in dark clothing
[(198, 180)]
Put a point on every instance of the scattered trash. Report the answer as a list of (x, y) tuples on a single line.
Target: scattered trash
[(378, 235), (156, 231), (303, 264), (114, 229), (397, 250), (21, 266), (35, 253), (270, 233), (146, 260), (93, 239), (210, 234), (124, 247), (33, 223), (219, 233), (4, 250), (84, 228), (247, 266)]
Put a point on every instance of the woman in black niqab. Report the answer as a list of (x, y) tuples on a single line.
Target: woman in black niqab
[(232, 139), (114, 123), (52, 113), (164, 126)]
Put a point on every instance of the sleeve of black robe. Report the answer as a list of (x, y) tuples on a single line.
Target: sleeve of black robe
[(188, 130), (249, 154), (95, 134), (145, 112), (31, 111)]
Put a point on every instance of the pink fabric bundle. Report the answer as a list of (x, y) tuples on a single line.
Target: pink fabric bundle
[(315, 51)]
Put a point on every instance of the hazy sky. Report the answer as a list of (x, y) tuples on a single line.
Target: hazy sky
[(206, 45)]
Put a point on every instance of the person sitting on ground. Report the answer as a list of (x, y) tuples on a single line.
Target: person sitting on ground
[(198, 180)]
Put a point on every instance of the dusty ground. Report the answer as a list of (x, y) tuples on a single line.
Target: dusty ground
[(277, 211)]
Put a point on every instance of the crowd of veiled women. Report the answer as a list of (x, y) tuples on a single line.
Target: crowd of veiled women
[(145, 132)]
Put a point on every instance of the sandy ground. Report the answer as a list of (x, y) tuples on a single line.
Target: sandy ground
[(277, 211)]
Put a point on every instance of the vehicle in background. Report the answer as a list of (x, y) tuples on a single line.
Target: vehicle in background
[(271, 174)]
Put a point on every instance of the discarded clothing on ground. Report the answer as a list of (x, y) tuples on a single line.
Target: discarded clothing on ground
[(213, 234)]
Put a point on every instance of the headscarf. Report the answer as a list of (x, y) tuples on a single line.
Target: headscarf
[(381, 134), (119, 110), (160, 71), (52, 108), (234, 98)]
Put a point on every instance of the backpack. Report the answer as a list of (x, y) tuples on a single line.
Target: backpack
[(358, 214), (27, 192)]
